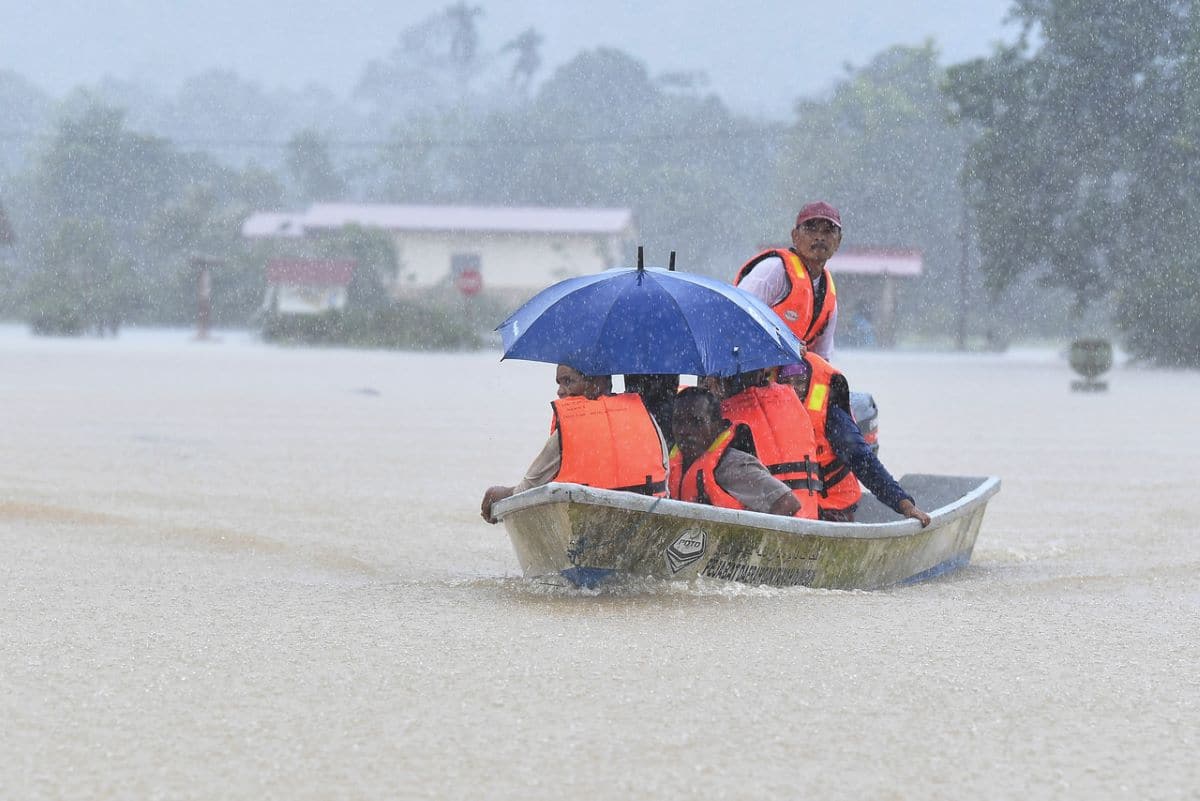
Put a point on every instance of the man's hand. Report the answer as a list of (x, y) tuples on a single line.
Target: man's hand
[(786, 505), (909, 509), (492, 495)]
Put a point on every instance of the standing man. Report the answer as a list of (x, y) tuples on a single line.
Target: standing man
[(795, 283)]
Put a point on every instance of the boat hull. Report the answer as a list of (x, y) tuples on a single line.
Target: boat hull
[(588, 535)]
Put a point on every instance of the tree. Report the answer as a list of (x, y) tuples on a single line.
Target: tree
[(81, 284), (438, 64), (94, 167), (1085, 174), (26, 112), (115, 219), (883, 150), (312, 171)]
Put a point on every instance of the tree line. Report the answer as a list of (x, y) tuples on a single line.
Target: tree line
[(1059, 172)]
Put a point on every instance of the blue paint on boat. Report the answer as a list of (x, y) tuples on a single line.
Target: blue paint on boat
[(948, 566), (587, 577)]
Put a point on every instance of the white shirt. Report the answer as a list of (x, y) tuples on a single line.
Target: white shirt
[(768, 282)]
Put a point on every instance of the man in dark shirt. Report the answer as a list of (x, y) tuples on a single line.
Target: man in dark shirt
[(846, 441)]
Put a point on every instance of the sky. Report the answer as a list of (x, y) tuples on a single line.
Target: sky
[(759, 57)]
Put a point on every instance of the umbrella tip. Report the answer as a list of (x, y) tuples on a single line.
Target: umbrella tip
[(641, 260), (671, 266)]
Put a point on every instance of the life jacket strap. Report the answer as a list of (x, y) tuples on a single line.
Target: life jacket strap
[(809, 478), (647, 487), (835, 473)]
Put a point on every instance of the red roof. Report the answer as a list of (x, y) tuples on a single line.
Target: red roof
[(310, 272)]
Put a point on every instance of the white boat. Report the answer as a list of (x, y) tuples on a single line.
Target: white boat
[(588, 536)]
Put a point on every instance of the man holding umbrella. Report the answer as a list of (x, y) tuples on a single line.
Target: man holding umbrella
[(598, 439), (634, 321)]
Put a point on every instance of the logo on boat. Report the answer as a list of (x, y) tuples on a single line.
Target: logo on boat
[(687, 548)]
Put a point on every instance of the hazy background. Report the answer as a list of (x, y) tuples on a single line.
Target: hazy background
[(759, 57), (1021, 151)]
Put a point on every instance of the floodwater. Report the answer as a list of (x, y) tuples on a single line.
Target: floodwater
[(229, 570)]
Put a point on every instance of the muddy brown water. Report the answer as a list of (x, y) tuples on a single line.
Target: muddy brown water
[(229, 570)]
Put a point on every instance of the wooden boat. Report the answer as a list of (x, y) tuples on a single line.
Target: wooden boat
[(588, 536)]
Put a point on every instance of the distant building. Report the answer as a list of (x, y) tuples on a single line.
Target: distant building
[(307, 286), (513, 250), (866, 282)]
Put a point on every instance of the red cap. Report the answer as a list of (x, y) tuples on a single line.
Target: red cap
[(819, 210)]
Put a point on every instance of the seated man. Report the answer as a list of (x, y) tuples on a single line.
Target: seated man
[(658, 392), (598, 439), (705, 468), (780, 431), (844, 456)]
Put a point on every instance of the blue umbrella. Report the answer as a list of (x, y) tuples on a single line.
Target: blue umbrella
[(633, 320)]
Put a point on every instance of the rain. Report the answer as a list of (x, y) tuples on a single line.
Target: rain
[(253, 258)]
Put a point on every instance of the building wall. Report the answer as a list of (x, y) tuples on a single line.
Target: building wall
[(508, 261)]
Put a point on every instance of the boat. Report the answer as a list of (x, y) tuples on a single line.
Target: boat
[(588, 536)]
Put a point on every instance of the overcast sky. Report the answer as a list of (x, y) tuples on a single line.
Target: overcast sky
[(759, 56)]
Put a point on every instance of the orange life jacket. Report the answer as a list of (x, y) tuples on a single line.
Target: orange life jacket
[(698, 484), (841, 487), (609, 443), (796, 307), (783, 439)]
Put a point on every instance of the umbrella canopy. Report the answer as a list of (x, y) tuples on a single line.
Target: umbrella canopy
[(632, 320)]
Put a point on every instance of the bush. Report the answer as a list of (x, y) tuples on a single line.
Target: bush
[(408, 324)]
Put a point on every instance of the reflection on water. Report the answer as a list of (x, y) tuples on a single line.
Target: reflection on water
[(232, 571)]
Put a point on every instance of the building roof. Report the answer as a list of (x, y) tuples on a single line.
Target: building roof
[(875, 261), (272, 223), (496, 219)]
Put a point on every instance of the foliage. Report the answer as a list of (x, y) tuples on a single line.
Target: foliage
[(108, 204), (1086, 170), (884, 150), (82, 284), (410, 323), (25, 111), (311, 169), (440, 65), (600, 132), (465, 124)]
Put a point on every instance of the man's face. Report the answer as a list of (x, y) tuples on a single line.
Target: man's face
[(798, 382), (694, 426), (816, 240), (570, 382)]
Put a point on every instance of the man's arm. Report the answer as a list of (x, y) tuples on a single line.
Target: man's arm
[(493, 494), (745, 478), (545, 467), (767, 281), (787, 505), (848, 443)]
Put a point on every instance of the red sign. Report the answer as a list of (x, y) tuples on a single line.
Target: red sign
[(469, 282)]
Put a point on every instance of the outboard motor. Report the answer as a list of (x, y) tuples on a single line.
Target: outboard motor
[(866, 414)]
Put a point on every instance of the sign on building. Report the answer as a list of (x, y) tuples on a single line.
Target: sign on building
[(308, 286)]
